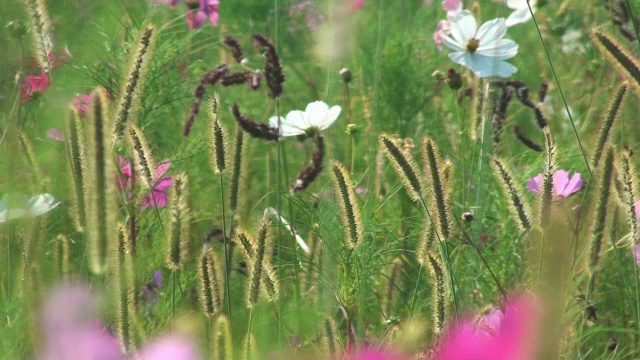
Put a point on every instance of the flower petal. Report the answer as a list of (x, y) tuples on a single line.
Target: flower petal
[(519, 16), (560, 181), (535, 184), (295, 124), (453, 44), (574, 185), (41, 204), (316, 113), (331, 117), (463, 27), (162, 168), (164, 184), (501, 49), (483, 66), (490, 31)]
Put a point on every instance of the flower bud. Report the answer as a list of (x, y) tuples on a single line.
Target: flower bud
[(346, 75), (454, 79), (352, 129)]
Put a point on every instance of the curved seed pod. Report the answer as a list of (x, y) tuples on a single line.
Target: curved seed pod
[(349, 209), (404, 166), (134, 85)]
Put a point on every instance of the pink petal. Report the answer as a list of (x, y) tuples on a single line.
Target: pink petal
[(125, 166), (39, 83), (162, 168), (357, 5), (214, 17), (560, 181), (441, 30), (155, 199), (164, 184), (574, 185), (170, 348), (452, 5), (636, 253), (535, 184), (638, 210)]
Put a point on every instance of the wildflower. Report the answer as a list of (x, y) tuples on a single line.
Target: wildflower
[(453, 8), (562, 185), (73, 331), (158, 196), (357, 5), (481, 50), (151, 289), (81, 103), (55, 134), (636, 249), (317, 116), (35, 84), (16, 206), (208, 9), (501, 335), (521, 13), (309, 11)]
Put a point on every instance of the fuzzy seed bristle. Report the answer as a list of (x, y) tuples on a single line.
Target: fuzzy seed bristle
[(77, 156), (606, 124), (142, 158), (210, 288), (125, 290), (236, 49), (311, 172), (40, 32), (438, 193), (547, 183), (29, 155), (478, 107), (257, 265), (236, 170), (629, 191), (526, 141), (619, 55), (274, 75), (180, 223), (217, 139), (329, 338), (62, 256), (404, 166), (439, 292), (222, 344), (348, 203), (133, 88), (517, 205)]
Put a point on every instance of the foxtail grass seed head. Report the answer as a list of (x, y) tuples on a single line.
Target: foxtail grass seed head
[(133, 86), (478, 107), (528, 142), (126, 292), (222, 347), (600, 215), (439, 292), (236, 78), (547, 183), (517, 204), (348, 203), (211, 288), (439, 194), (41, 32), (606, 124), (329, 338), (274, 75), (257, 265), (234, 46), (217, 139), (179, 224), (270, 282), (210, 78), (623, 59), (542, 91), (62, 256), (236, 170), (311, 172), (29, 155), (404, 166), (255, 129), (500, 114), (142, 158), (245, 242), (629, 194), (427, 239), (77, 157), (99, 184)]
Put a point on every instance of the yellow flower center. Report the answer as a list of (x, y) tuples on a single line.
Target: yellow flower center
[(473, 45)]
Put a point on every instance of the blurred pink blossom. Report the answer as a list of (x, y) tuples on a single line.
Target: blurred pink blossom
[(35, 84), (453, 8), (208, 9), (507, 334), (562, 185), (81, 103), (158, 196), (357, 5)]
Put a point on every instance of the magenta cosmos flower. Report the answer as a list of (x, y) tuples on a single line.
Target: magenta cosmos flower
[(562, 185), (158, 196), (35, 84), (507, 334)]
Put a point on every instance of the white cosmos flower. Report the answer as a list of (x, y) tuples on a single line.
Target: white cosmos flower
[(14, 206), (317, 116), (481, 50), (521, 13)]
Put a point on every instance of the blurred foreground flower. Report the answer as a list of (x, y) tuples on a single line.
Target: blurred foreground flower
[(72, 330), (15, 206), (481, 50), (198, 11), (158, 196), (453, 8), (503, 334), (35, 84), (317, 116), (81, 103), (521, 13), (562, 185)]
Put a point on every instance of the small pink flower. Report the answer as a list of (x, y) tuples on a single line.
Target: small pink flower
[(357, 5), (158, 196), (81, 103), (562, 186), (636, 253), (34, 84), (507, 335), (55, 134), (441, 30), (453, 8), (208, 10)]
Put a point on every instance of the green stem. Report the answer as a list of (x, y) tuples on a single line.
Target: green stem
[(227, 296)]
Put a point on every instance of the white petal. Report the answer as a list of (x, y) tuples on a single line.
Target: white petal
[(41, 204), (491, 31), (519, 16), (453, 44), (332, 116), (295, 124), (273, 121), (500, 50), (316, 113), (3, 216), (463, 27), (483, 66), (519, 4)]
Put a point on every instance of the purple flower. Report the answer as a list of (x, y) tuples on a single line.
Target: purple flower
[(562, 185), (150, 291), (208, 9)]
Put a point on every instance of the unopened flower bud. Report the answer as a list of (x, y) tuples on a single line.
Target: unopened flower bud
[(468, 216), (352, 129), (454, 79), (345, 73), (244, 62)]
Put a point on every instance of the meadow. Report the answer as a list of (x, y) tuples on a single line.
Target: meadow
[(330, 179)]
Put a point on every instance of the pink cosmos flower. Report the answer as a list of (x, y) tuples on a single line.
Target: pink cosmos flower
[(208, 9), (506, 334), (34, 84), (73, 331), (453, 8), (357, 5), (81, 103), (158, 196), (562, 185)]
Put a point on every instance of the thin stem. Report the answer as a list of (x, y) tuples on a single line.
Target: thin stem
[(173, 296), (227, 296)]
